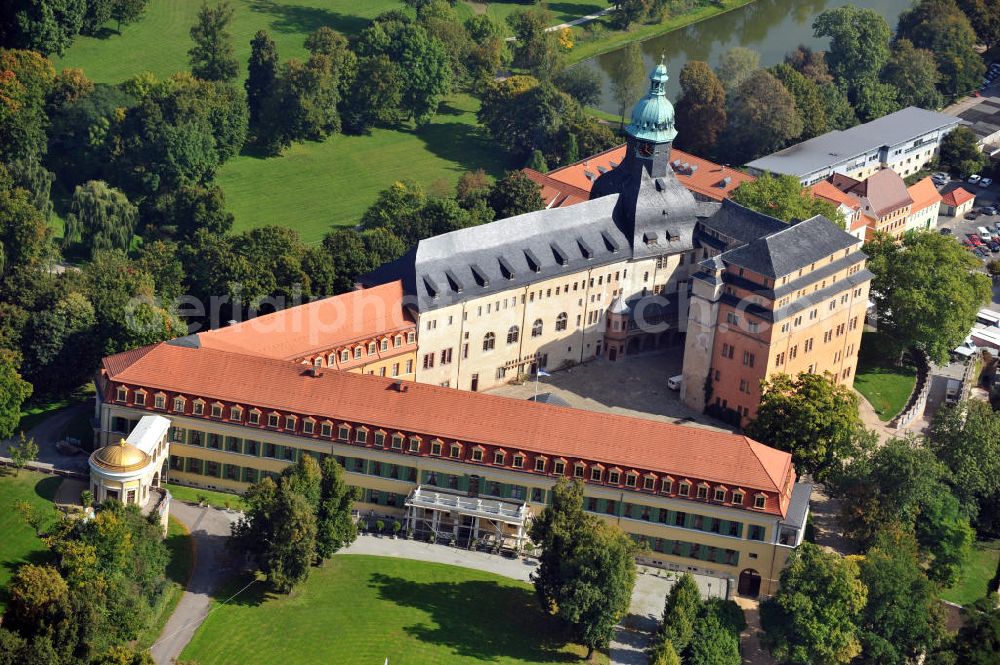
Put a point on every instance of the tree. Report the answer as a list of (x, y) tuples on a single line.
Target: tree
[(808, 101), (901, 618), (914, 74), (628, 78), (859, 44), (262, 76), (663, 653), (535, 49), (978, 641), (811, 417), (28, 78), (586, 569), (515, 194), (810, 63), (874, 99), (839, 112), (26, 450), (762, 117), (127, 12), (627, 12), (712, 644), (581, 83), (701, 110), (38, 600), (212, 57), (966, 438), (100, 218), (304, 105), (46, 26), (24, 242), (984, 15), (927, 290), (400, 201), (375, 96), (736, 66), (352, 253), (785, 198), (181, 213), (940, 27), (29, 515), (97, 13), (335, 524), (537, 162), (813, 617), (945, 538), (680, 614), (960, 152), (123, 656), (14, 391)]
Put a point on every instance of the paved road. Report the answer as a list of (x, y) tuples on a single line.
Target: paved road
[(212, 566), (577, 21), (48, 432)]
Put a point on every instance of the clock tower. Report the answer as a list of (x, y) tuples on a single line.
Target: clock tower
[(652, 131)]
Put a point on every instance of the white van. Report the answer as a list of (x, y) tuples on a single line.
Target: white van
[(984, 234), (951, 391), (674, 382)]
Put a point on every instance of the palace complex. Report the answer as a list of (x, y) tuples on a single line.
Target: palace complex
[(386, 378)]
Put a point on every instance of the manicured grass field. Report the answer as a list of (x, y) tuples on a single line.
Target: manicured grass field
[(976, 573), (214, 499), (178, 571), (562, 11), (362, 609), (18, 542), (313, 187), (884, 384)]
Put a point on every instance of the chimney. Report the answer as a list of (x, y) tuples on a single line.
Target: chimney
[(314, 371), (400, 387)]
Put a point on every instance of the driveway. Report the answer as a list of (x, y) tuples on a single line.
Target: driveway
[(209, 529), (50, 431)]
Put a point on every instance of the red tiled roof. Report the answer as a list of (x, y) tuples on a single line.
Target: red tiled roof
[(322, 324), (825, 190), (571, 184), (924, 194), (645, 445), (884, 190), (957, 197)]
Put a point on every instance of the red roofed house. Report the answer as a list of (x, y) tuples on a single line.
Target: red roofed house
[(925, 207), (463, 466), (848, 206), (571, 184), (957, 202), (884, 200)]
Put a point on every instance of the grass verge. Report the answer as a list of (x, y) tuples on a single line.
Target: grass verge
[(977, 572), (364, 609), (884, 384), (211, 497), (181, 549), (18, 542)]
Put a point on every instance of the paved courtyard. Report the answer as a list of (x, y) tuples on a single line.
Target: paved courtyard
[(633, 386)]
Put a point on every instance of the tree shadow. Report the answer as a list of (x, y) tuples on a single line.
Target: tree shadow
[(463, 144), (477, 619), (36, 557), (47, 486), (300, 19), (573, 11)]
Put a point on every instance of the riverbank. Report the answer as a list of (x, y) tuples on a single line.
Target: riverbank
[(590, 45)]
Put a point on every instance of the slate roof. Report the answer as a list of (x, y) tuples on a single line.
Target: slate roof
[(741, 224), (839, 146), (795, 246)]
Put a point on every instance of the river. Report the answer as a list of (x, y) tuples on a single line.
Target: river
[(771, 27)]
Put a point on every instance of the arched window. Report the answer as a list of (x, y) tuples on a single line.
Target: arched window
[(512, 334), (489, 341), (561, 321), (536, 328)]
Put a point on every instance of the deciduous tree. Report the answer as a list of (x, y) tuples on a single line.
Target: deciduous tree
[(984, 15), (515, 194), (262, 76), (813, 617), (813, 418), (978, 641), (859, 43), (712, 644), (581, 83), (46, 26), (628, 78), (26, 82), (914, 74), (127, 12), (100, 218), (927, 289), (736, 66), (22, 452), (762, 117), (534, 49), (335, 524), (680, 614), (784, 197), (14, 391), (701, 109), (808, 101), (940, 27), (960, 152), (212, 57)]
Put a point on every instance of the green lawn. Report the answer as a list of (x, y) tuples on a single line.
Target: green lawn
[(976, 573), (884, 384), (214, 499), (313, 186), (178, 571), (18, 543), (562, 11), (362, 609)]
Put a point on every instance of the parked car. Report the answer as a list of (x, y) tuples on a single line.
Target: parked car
[(984, 234), (998, 227), (972, 214), (945, 231), (989, 211), (975, 240), (981, 252), (973, 179), (674, 382), (993, 245), (986, 182)]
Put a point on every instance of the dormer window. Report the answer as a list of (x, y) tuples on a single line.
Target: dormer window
[(595, 474), (667, 485), (273, 420), (615, 476), (435, 447), (290, 422), (649, 482), (477, 454), (411, 337), (140, 398), (236, 413), (579, 469), (559, 468), (254, 417), (685, 489), (540, 464), (384, 345), (308, 426), (759, 500), (326, 429), (397, 442), (499, 456), (344, 433), (380, 438), (738, 498), (179, 404), (160, 401), (631, 479), (198, 408), (121, 394), (217, 410), (357, 352), (702, 491), (456, 451), (415, 445), (519, 461), (361, 435), (397, 341), (720, 494), (344, 356), (371, 348)]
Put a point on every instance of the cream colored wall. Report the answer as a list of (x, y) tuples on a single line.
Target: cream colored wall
[(923, 219)]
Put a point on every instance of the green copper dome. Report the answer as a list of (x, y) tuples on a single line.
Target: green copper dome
[(653, 115)]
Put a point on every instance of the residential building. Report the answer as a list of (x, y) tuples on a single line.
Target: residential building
[(787, 302), (571, 184), (885, 203), (848, 206), (925, 207), (460, 465), (982, 116), (367, 331), (957, 202), (903, 141)]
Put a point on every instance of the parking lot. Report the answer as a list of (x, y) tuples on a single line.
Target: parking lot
[(960, 227)]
